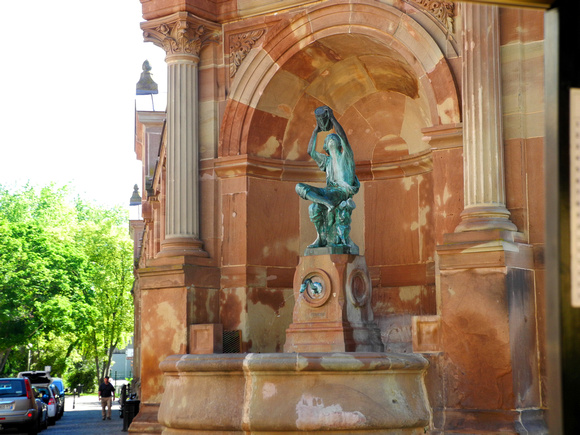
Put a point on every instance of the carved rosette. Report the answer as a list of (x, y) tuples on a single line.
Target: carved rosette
[(240, 46), (444, 11), (181, 33)]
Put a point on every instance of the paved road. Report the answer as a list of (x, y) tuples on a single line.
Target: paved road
[(85, 419)]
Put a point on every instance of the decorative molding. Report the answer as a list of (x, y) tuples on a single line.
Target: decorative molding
[(444, 11), (289, 170), (181, 33), (240, 46)]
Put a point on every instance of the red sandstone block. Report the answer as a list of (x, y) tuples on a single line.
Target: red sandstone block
[(299, 129), (515, 178), (266, 135), (233, 308), (406, 275), (536, 189), (383, 112), (328, 17), (386, 229), (370, 16), (445, 91), (311, 61), (235, 229), (274, 229), (510, 25), (447, 190), (280, 277)]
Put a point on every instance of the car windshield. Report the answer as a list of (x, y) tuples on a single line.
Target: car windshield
[(12, 388)]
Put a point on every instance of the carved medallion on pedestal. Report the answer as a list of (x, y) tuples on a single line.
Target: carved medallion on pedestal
[(332, 312)]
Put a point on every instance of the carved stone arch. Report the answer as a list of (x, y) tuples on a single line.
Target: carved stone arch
[(412, 49)]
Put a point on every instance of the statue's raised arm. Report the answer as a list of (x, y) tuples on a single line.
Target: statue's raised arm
[(319, 158), (339, 130)]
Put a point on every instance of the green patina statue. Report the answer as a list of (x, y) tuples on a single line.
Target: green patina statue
[(332, 205)]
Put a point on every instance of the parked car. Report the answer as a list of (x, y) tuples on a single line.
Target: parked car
[(59, 384), (47, 396), (42, 410), (42, 380), (18, 406)]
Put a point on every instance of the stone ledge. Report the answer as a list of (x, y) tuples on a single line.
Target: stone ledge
[(295, 392)]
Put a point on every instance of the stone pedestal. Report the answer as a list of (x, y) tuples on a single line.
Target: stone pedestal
[(332, 311)]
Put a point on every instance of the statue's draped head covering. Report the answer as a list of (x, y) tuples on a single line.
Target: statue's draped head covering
[(332, 141)]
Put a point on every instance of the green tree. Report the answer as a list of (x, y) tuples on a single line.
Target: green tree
[(65, 280), (40, 268), (103, 236)]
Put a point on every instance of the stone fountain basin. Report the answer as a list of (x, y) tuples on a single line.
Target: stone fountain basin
[(342, 393)]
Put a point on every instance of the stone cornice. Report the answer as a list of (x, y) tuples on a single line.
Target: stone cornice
[(536, 4), (260, 167), (181, 33), (444, 136)]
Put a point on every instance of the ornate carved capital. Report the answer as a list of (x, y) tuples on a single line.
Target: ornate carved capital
[(181, 33), (240, 46), (444, 11)]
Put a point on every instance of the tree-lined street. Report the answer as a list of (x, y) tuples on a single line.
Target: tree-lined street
[(84, 419)]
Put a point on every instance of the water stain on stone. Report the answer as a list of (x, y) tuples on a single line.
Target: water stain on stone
[(230, 309), (271, 298)]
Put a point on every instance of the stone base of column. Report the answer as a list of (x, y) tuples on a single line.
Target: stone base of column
[(487, 336), (481, 218), (464, 421), (182, 246), (332, 312), (174, 293), (146, 421)]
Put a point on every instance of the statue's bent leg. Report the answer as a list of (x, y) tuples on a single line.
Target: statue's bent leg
[(302, 190), (317, 214), (315, 194)]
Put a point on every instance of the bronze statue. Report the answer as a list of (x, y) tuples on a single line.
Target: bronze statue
[(332, 205)]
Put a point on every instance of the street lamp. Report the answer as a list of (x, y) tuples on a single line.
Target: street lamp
[(135, 204)]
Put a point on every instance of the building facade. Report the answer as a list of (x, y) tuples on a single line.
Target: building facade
[(443, 104)]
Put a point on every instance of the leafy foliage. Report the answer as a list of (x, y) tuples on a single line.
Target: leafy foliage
[(65, 279)]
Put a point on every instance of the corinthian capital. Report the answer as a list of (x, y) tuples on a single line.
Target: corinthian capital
[(181, 33)]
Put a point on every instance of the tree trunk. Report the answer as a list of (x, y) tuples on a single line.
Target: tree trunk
[(3, 358), (97, 365)]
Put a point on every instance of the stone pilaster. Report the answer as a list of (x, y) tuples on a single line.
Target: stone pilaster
[(483, 158), (485, 336), (180, 278), (182, 36)]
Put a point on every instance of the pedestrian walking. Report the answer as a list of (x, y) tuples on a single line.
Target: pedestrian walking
[(106, 396)]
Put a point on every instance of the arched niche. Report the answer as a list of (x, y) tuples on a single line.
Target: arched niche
[(387, 80), (380, 71)]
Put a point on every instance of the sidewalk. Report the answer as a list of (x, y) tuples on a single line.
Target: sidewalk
[(84, 419)]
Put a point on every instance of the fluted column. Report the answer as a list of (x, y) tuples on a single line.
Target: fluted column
[(182, 36), (483, 157)]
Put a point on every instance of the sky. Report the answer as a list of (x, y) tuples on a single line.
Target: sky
[(68, 70)]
